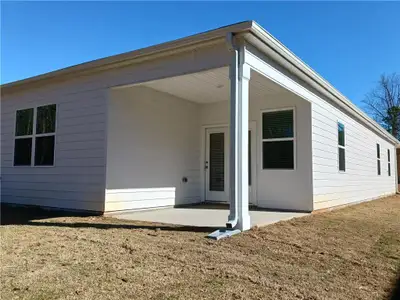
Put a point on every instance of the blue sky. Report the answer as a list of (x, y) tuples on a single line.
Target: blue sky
[(350, 44)]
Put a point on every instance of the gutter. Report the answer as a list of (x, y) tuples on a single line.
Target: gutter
[(234, 82), (152, 52), (252, 32), (277, 51)]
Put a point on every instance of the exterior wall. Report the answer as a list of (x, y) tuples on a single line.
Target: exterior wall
[(279, 189), (153, 142), (398, 167), (330, 187), (76, 181), (360, 181)]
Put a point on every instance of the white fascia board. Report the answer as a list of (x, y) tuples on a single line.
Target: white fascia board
[(277, 51), (139, 55)]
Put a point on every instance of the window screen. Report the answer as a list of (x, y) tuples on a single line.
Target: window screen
[(22, 152), (35, 137), (24, 122), (342, 159), (44, 151), (23, 137), (278, 139), (217, 162), (378, 156), (45, 135), (341, 147), (46, 119)]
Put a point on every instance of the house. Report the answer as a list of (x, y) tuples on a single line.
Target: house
[(228, 115), (398, 166)]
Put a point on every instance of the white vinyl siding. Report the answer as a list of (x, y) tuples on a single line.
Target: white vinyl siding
[(378, 159), (360, 180), (153, 143), (76, 181), (278, 129), (275, 189), (341, 147), (34, 136), (330, 186)]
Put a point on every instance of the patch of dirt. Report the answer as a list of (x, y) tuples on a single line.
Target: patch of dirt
[(351, 253)]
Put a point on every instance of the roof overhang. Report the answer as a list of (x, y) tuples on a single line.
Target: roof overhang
[(250, 30), (152, 52), (273, 48)]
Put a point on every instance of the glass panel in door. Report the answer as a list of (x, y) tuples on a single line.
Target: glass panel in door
[(217, 162)]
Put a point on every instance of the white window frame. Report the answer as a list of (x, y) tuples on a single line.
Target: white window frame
[(33, 136), (279, 139), (389, 163), (340, 146), (378, 159)]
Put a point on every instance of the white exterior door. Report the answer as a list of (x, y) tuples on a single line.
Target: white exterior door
[(217, 164)]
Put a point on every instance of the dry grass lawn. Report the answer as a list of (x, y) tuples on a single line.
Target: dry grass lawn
[(351, 253)]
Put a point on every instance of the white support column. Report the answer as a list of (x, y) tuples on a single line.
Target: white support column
[(242, 155), (239, 128), (233, 134)]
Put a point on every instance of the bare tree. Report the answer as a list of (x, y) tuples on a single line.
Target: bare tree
[(383, 103)]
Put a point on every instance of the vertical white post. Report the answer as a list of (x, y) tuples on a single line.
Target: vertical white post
[(239, 127), (233, 199), (242, 154)]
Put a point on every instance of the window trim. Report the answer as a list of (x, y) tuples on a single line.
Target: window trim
[(340, 146), (33, 136), (294, 138), (389, 163), (378, 170)]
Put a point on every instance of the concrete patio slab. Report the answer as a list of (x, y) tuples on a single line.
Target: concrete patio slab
[(203, 216)]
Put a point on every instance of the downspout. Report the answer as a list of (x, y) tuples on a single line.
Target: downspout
[(234, 83)]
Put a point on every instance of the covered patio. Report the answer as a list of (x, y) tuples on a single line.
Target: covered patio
[(205, 215), (201, 138)]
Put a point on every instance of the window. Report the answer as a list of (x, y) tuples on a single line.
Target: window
[(35, 136), (341, 148), (278, 139), (378, 156), (388, 154)]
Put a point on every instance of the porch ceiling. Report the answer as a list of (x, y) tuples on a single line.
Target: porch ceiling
[(210, 86)]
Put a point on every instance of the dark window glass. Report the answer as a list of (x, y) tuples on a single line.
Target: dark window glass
[(44, 151), (217, 162), (379, 167), (22, 152), (388, 155), (24, 122), (46, 119), (278, 124), (278, 155), (341, 134), (342, 160), (378, 151), (389, 169)]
